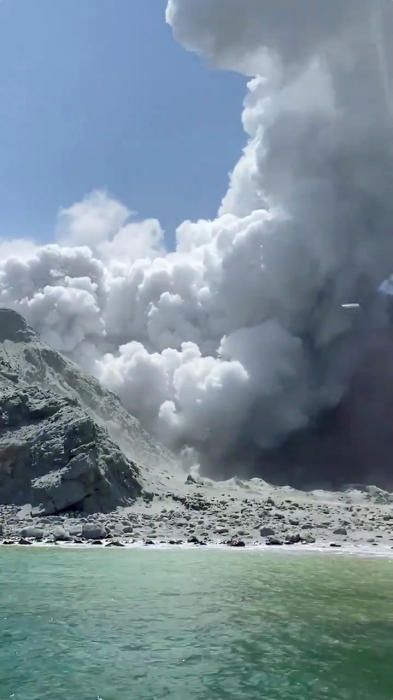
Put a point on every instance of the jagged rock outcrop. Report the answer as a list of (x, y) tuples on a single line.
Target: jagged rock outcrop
[(66, 443)]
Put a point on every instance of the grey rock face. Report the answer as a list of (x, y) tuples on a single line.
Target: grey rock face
[(55, 449), (54, 456), (14, 327)]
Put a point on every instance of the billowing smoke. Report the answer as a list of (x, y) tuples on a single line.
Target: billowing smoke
[(237, 339)]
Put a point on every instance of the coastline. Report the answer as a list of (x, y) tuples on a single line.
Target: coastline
[(322, 548), (199, 513)]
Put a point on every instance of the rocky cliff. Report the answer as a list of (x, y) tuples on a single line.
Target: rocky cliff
[(65, 443)]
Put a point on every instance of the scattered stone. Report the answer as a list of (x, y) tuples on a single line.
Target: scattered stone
[(307, 526), (23, 541), (335, 544)]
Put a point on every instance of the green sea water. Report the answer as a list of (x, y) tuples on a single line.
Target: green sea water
[(192, 625)]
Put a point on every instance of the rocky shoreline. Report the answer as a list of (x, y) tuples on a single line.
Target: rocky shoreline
[(76, 468), (234, 513)]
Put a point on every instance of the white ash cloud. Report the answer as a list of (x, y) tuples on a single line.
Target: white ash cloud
[(238, 337)]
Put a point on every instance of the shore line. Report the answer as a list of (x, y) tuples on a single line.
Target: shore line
[(321, 548)]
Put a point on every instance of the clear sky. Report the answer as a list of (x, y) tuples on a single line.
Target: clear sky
[(97, 94)]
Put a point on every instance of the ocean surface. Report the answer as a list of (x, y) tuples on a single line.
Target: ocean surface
[(94, 624)]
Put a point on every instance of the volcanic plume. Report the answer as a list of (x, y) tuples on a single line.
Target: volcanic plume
[(237, 348)]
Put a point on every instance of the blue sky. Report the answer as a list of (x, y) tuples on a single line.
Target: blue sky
[(97, 94)]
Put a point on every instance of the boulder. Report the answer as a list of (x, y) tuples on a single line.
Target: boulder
[(293, 539), (193, 540), (274, 542), (93, 531), (75, 530), (114, 543), (340, 531), (128, 529), (59, 534), (221, 530), (267, 532), (235, 542), (32, 533)]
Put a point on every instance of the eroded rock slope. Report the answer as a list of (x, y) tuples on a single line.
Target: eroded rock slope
[(65, 443)]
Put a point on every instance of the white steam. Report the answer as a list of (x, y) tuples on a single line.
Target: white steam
[(239, 337)]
